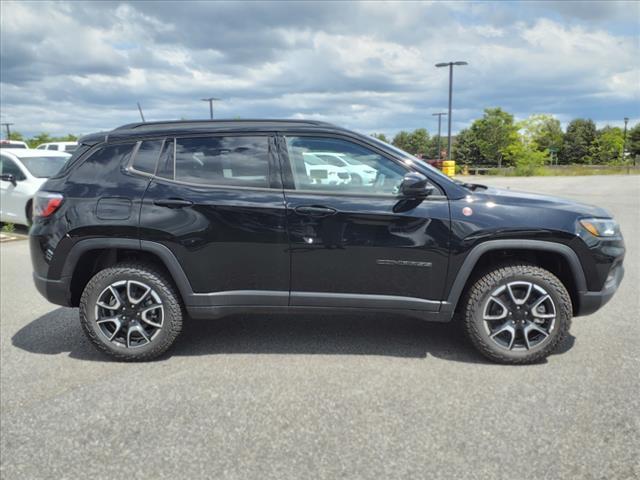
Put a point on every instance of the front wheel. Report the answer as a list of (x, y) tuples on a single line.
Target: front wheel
[(517, 314), (131, 312)]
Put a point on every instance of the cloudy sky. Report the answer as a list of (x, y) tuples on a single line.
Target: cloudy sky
[(73, 67)]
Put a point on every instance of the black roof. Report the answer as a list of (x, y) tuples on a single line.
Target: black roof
[(181, 127)]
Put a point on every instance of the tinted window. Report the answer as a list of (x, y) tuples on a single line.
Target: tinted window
[(147, 156), (103, 162), (52, 147), (9, 166), (238, 161), (11, 145), (332, 164), (165, 165), (70, 148)]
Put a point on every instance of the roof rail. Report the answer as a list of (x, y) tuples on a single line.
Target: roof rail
[(130, 126)]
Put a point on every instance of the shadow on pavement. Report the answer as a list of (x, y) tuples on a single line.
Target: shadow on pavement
[(59, 331)]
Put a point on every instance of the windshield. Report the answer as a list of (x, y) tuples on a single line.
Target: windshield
[(409, 157), (43, 167)]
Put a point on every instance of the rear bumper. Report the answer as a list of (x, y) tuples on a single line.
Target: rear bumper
[(590, 302), (55, 291)]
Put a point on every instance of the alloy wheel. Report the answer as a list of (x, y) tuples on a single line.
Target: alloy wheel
[(129, 313), (519, 315)]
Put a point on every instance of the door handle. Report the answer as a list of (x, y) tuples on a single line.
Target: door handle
[(315, 211), (173, 203)]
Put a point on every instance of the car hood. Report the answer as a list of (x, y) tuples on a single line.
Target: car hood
[(512, 197)]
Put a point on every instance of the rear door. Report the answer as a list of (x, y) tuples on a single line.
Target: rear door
[(356, 243), (216, 202)]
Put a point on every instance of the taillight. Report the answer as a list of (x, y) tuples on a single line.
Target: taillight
[(45, 203)]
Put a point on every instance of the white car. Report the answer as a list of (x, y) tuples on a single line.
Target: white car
[(322, 172), (22, 173), (13, 144), (67, 147), (361, 173)]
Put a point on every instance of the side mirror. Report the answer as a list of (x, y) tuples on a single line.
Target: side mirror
[(415, 185), (9, 177)]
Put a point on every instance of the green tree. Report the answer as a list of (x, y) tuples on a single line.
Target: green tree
[(542, 132), (466, 150), (494, 133), (380, 136), (607, 146), (401, 140), (578, 139), (527, 159), (633, 141), (16, 136), (419, 142)]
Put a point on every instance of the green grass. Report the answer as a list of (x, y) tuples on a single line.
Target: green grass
[(568, 171), (8, 228)]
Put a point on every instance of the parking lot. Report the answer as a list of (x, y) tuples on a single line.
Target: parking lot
[(324, 396)]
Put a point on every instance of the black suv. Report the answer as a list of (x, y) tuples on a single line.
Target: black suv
[(151, 222)]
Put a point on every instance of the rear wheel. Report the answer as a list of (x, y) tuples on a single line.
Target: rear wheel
[(517, 314), (131, 312)]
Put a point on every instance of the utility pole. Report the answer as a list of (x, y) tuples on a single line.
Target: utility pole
[(450, 65), (624, 141), (140, 110), (211, 100), (7, 125), (439, 115)]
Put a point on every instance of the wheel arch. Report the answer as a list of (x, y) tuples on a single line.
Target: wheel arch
[(558, 258), (89, 256)]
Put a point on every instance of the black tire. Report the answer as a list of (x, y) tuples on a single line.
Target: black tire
[(515, 344), (161, 288)]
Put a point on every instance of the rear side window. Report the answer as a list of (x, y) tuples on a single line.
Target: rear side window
[(235, 161), (52, 147), (103, 162), (147, 156), (165, 165)]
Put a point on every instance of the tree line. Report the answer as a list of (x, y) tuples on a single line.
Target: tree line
[(41, 138), (498, 140)]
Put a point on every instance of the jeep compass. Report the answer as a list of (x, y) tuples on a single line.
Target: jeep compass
[(153, 223)]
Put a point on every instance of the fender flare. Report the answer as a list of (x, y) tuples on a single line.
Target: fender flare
[(474, 255), (166, 256)]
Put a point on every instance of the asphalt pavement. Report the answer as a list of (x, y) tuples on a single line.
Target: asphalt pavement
[(324, 397)]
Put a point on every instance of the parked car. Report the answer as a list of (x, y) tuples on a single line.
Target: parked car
[(22, 172), (153, 222), (321, 172), (13, 144), (359, 170), (68, 147)]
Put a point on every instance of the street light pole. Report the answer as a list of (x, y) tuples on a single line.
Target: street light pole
[(7, 125), (211, 100), (624, 141), (450, 65), (439, 115)]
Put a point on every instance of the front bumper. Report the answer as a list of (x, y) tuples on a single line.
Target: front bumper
[(589, 302)]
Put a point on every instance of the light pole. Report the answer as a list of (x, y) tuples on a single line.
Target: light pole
[(624, 141), (450, 65), (439, 115), (211, 100), (7, 125)]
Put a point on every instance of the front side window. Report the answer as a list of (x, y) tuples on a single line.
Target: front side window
[(8, 166), (333, 164), (234, 161)]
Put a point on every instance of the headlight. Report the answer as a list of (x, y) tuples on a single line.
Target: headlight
[(600, 227)]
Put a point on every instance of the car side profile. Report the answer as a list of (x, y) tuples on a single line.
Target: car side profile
[(153, 223), (22, 173)]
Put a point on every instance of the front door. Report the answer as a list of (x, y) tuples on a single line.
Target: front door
[(354, 241), (217, 203)]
